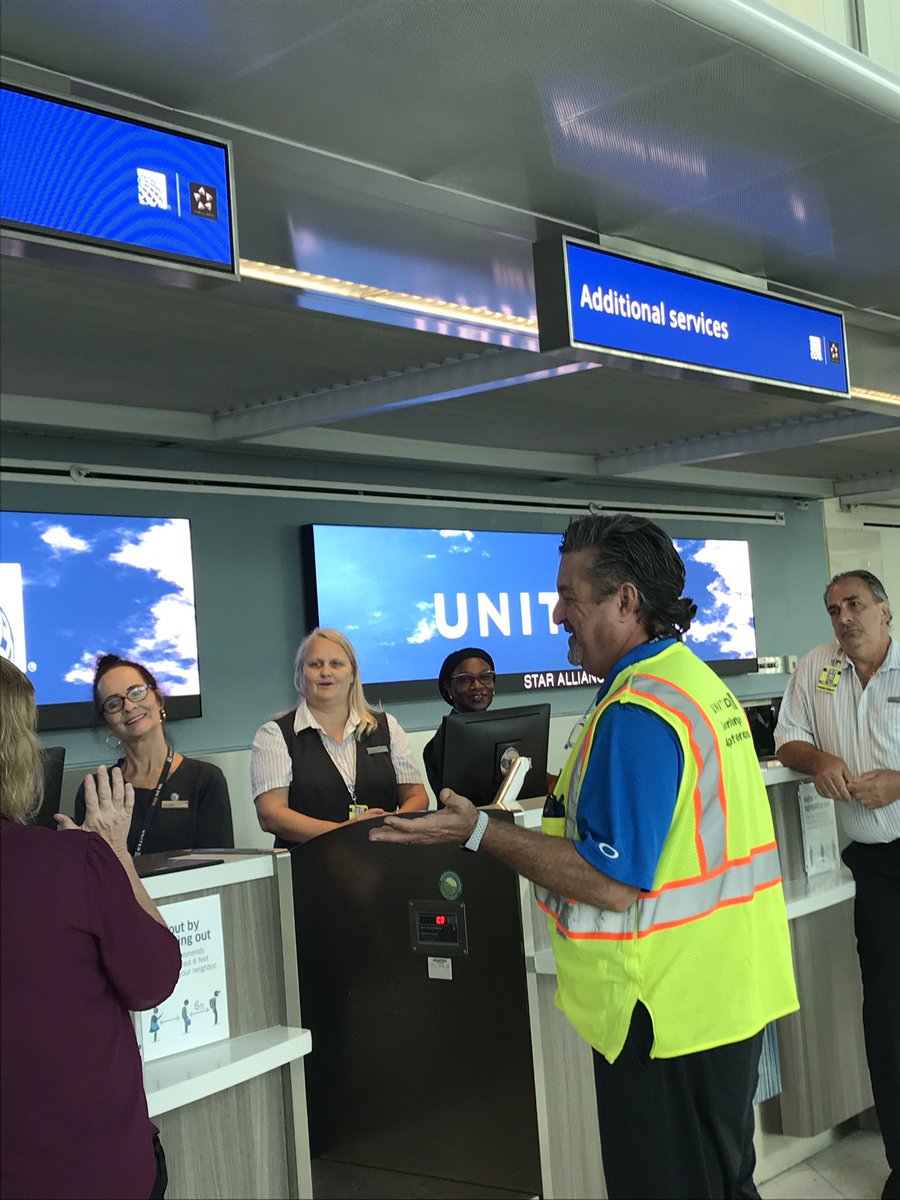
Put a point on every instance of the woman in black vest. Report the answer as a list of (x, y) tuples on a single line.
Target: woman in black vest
[(333, 759)]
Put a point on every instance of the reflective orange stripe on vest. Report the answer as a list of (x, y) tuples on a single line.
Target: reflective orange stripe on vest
[(720, 881)]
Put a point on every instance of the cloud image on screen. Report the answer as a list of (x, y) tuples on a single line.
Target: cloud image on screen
[(718, 579), (81, 586), (408, 597)]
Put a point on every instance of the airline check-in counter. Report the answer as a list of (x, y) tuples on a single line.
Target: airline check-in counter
[(437, 1051), (231, 1111)]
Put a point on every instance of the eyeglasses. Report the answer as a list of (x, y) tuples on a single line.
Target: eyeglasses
[(485, 678), (116, 702)]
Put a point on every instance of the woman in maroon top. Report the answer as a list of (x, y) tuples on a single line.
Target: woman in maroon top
[(82, 944)]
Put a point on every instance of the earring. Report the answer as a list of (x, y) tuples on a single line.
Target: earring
[(115, 744), (162, 714)]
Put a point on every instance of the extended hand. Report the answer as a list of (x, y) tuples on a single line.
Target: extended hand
[(453, 823), (876, 789), (108, 804), (833, 779)]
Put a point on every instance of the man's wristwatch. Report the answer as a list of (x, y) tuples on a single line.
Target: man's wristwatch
[(477, 833)]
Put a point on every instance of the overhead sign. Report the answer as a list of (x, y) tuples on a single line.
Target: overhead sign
[(595, 300), (91, 178)]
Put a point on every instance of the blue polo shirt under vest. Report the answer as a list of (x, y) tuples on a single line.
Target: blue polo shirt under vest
[(630, 786)]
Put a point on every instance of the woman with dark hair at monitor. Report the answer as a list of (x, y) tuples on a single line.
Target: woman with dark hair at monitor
[(179, 803), (333, 759), (466, 682), (82, 944)]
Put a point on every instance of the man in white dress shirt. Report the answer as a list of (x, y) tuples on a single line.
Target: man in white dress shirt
[(840, 723)]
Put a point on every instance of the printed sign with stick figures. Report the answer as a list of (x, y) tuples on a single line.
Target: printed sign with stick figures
[(196, 1013)]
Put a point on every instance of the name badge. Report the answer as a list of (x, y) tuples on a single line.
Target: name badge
[(175, 801), (829, 679), (377, 749), (356, 810)]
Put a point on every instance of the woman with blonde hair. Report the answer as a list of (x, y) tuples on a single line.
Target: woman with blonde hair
[(333, 759), (80, 935)]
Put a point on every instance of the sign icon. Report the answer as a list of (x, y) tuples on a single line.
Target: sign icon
[(816, 348), (12, 615), (153, 191), (204, 202), (834, 352)]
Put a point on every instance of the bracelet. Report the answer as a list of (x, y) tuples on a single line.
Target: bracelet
[(477, 833)]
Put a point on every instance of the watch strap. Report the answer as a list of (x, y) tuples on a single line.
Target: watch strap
[(474, 840)]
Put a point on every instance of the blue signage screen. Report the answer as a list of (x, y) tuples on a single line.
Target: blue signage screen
[(89, 177), (408, 597), (630, 307)]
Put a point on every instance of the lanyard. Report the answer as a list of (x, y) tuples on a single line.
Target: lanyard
[(151, 810)]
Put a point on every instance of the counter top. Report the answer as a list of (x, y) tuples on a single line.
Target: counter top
[(238, 867)]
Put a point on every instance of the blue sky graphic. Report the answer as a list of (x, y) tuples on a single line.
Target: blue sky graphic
[(383, 588), (92, 584)]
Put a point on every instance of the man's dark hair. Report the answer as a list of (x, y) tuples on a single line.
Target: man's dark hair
[(629, 549), (872, 582)]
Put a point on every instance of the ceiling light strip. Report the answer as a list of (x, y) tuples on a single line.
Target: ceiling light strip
[(430, 306), (347, 289)]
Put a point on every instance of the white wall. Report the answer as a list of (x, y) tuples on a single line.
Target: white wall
[(866, 537)]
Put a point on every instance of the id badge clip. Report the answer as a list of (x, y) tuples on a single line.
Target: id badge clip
[(828, 680)]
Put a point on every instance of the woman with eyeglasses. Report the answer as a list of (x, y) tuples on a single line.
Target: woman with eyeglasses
[(179, 803), (466, 682)]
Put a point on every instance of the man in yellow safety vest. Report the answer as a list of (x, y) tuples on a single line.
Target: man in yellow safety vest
[(659, 873)]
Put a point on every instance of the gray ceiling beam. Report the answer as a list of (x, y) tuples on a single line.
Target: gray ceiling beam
[(870, 489), (466, 376), (787, 435), (744, 482), (83, 416), (447, 455)]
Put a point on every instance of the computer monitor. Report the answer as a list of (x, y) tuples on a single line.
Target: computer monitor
[(53, 759), (474, 744)]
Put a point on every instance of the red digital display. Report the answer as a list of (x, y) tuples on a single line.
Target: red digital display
[(440, 920)]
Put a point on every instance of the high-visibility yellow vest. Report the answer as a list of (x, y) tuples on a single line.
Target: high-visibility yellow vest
[(707, 950)]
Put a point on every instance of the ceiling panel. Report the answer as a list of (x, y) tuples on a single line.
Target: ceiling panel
[(850, 458), (595, 412), (617, 115), (70, 334)]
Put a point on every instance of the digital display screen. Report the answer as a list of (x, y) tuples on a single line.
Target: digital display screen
[(406, 598), (73, 587), (81, 175), (609, 302), (435, 930)]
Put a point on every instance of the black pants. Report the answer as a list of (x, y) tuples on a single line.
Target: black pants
[(876, 915), (162, 1175), (673, 1128)]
